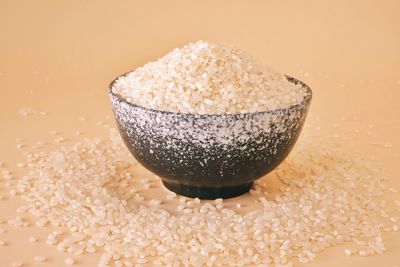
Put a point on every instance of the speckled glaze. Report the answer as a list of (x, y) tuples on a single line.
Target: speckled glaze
[(209, 156)]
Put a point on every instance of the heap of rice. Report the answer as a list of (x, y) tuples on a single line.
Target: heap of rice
[(208, 78)]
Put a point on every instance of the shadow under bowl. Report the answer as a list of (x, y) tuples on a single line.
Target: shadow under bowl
[(209, 156)]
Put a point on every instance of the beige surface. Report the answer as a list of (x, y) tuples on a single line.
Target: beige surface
[(59, 56)]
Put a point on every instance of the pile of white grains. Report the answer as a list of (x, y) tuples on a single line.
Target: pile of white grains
[(208, 78), (326, 198)]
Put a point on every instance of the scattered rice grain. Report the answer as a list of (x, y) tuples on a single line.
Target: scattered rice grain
[(39, 259), (348, 252), (32, 239), (69, 261), (328, 197)]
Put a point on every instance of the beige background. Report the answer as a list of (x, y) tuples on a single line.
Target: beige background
[(59, 56)]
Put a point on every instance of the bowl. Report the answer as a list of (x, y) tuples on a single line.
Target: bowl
[(209, 156)]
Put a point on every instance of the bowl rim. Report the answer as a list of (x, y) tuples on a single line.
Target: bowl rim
[(304, 103)]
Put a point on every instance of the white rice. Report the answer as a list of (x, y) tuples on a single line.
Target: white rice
[(208, 78), (327, 197)]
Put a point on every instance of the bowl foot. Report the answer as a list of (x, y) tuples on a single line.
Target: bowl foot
[(208, 192)]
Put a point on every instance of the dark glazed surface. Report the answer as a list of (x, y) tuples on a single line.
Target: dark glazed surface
[(186, 150)]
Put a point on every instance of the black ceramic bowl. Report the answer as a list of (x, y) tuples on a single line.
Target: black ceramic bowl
[(209, 156)]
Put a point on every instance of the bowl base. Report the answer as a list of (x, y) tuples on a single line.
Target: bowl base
[(208, 192)]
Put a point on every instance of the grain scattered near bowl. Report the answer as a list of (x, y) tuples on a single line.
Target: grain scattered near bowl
[(327, 197), (32, 239), (17, 264), (69, 261), (39, 259)]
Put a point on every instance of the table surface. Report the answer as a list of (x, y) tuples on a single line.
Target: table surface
[(59, 57)]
